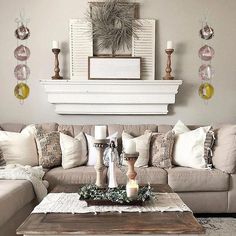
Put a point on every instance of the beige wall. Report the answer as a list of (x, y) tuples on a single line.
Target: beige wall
[(178, 20)]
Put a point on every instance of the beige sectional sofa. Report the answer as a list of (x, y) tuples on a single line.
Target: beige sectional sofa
[(204, 191)]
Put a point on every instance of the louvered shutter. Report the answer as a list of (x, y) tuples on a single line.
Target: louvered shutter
[(144, 46), (81, 47)]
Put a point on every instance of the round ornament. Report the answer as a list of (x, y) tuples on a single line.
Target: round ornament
[(22, 91), (22, 72), (206, 91), (206, 72), (22, 32), (206, 32), (22, 53), (206, 53)]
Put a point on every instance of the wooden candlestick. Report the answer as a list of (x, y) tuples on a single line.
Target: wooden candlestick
[(168, 67), (100, 146), (56, 51), (131, 159)]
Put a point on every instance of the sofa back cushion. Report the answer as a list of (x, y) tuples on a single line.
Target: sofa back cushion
[(224, 154), (12, 127), (74, 130)]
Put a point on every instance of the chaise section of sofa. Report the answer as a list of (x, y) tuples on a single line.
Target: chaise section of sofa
[(17, 200)]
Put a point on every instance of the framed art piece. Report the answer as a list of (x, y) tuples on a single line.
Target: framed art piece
[(119, 68)]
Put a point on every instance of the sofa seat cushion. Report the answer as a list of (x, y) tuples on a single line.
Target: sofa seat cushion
[(152, 175), (14, 195), (77, 175), (183, 179)]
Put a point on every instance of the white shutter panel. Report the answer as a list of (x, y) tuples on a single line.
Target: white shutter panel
[(81, 47), (144, 46)]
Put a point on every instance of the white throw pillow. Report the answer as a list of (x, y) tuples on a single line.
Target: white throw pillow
[(180, 128), (189, 146), (92, 153), (74, 150), (19, 148), (142, 146)]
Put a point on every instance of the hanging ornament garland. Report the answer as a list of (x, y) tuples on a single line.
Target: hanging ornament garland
[(206, 54), (22, 54)]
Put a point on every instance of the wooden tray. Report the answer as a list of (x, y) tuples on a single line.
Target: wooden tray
[(110, 203)]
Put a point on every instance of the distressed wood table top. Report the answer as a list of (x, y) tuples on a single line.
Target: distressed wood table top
[(111, 223)]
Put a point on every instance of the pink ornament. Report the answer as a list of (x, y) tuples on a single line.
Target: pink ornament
[(22, 72), (206, 53), (22, 53), (22, 32), (206, 72)]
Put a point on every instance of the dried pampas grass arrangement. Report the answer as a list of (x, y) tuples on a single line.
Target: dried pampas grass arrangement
[(113, 24)]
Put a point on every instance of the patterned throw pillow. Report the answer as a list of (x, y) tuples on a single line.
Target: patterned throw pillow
[(2, 161), (49, 149), (161, 148)]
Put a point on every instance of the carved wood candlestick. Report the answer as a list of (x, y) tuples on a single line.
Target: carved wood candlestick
[(100, 146), (168, 67), (56, 52), (131, 159)]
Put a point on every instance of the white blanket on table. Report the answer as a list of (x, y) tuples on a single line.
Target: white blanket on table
[(33, 174), (70, 203)]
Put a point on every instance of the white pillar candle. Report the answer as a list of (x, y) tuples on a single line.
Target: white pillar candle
[(169, 45), (132, 189), (130, 147), (100, 132), (55, 44)]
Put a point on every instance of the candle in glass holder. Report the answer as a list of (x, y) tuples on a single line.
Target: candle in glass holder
[(132, 189), (100, 132), (130, 147)]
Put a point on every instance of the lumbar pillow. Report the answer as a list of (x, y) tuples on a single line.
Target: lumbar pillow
[(142, 146), (18, 148), (189, 146), (74, 150), (49, 149), (224, 156), (161, 147), (92, 152)]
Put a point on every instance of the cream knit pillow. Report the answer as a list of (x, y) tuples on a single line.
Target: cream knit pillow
[(18, 148), (74, 150), (142, 146)]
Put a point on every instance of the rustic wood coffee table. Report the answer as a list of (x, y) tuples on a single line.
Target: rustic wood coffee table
[(111, 223)]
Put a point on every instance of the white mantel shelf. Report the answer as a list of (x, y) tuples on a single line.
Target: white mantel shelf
[(139, 97)]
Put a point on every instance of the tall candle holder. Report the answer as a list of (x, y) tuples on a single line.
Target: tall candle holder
[(168, 67), (132, 186), (131, 159), (100, 145), (57, 76)]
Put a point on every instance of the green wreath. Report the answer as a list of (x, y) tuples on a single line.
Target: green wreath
[(113, 24)]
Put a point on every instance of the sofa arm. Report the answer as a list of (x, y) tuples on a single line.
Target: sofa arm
[(232, 194)]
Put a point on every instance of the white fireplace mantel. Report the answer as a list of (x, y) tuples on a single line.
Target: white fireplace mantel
[(140, 97)]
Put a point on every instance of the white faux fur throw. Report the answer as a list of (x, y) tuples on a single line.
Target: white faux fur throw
[(33, 174)]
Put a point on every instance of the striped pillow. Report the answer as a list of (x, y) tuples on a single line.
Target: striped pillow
[(208, 146), (2, 161)]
